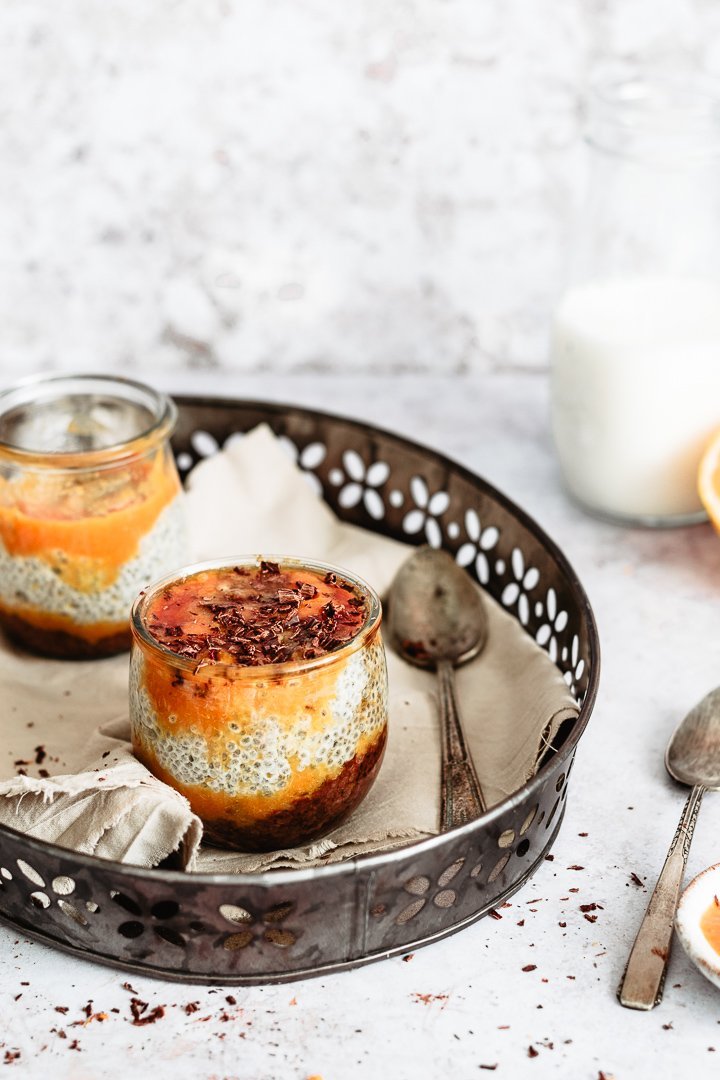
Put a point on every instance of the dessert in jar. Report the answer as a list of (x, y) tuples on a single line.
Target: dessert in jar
[(636, 337), (258, 690), (90, 510)]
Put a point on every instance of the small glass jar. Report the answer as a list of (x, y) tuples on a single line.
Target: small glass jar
[(269, 756), (90, 510), (636, 337)]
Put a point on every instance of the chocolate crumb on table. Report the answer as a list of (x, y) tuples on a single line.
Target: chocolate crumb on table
[(140, 1015)]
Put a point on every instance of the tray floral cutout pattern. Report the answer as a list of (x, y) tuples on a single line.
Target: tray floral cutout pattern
[(373, 491)]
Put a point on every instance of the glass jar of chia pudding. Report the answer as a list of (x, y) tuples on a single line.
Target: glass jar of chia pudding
[(258, 690), (90, 510)]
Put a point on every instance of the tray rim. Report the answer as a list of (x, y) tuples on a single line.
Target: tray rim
[(277, 978), (353, 865)]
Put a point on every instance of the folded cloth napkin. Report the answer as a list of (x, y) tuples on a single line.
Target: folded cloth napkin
[(70, 774)]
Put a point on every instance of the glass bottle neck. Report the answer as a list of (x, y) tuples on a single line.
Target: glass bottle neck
[(670, 123)]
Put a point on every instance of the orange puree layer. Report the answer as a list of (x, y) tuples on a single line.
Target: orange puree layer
[(710, 924), (87, 529), (207, 704)]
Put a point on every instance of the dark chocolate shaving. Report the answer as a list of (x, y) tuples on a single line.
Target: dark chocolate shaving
[(264, 618)]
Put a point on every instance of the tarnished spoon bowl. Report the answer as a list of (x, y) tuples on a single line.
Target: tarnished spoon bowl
[(436, 619)]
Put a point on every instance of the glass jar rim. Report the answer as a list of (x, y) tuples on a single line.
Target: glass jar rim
[(255, 672), (639, 90), (672, 105), (43, 387)]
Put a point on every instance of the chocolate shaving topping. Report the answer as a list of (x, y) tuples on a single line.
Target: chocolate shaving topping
[(267, 617)]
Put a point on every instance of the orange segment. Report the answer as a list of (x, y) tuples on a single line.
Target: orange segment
[(709, 480), (710, 924)]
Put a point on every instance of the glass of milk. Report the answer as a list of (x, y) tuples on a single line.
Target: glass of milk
[(636, 337)]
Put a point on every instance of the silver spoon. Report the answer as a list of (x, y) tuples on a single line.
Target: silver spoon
[(436, 619), (693, 758)]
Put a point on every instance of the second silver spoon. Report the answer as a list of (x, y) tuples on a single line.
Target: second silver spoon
[(693, 758)]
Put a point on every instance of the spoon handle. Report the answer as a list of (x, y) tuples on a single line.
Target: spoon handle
[(462, 798), (642, 985)]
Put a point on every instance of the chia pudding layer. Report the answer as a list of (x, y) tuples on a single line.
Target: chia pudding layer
[(259, 691)]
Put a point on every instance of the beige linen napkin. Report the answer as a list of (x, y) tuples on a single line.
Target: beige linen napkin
[(70, 719)]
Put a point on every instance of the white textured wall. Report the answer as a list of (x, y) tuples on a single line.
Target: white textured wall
[(299, 183)]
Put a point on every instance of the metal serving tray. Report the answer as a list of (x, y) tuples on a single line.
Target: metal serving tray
[(283, 925)]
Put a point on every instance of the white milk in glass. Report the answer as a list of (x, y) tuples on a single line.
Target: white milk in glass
[(636, 392)]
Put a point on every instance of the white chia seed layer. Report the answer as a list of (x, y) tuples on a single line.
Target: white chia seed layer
[(27, 582), (253, 755)]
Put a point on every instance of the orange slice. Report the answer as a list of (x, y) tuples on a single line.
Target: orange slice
[(709, 479)]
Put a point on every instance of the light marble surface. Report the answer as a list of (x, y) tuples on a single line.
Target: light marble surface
[(304, 183), (466, 1002)]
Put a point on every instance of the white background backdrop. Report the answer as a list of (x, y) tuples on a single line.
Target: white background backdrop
[(293, 184)]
